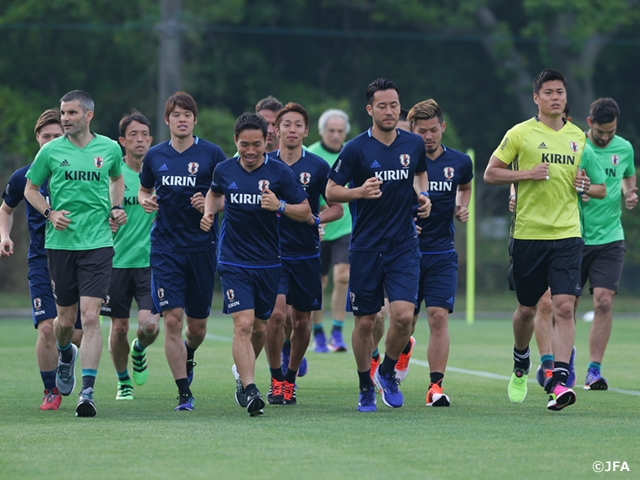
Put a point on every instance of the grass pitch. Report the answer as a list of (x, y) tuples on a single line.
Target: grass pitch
[(482, 435)]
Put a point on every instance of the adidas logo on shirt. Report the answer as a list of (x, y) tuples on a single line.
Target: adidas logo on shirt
[(163, 168), (542, 146), (64, 163), (233, 186), (375, 164)]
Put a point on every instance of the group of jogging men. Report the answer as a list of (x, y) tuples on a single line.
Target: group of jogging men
[(146, 227)]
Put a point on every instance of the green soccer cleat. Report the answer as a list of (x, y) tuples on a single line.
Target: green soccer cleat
[(139, 363), (125, 390), (518, 385)]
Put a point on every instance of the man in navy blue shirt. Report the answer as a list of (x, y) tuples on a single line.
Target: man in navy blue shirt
[(385, 169), (450, 174), (300, 289), (43, 304), (255, 191), (183, 262)]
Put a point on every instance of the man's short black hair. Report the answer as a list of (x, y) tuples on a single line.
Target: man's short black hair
[(134, 116), (547, 75), (250, 121), (378, 85), (604, 110)]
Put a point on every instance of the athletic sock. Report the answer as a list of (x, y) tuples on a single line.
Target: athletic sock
[(277, 374), (191, 352), (376, 354), (290, 376), (88, 378), (139, 348), (407, 348), (250, 389), (436, 377), (521, 358), (365, 381), (547, 361), (595, 365), (317, 329), (337, 325), (560, 372), (183, 387), (48, 379), (388, 365), (287, 344), (66, 352), (123, 376)]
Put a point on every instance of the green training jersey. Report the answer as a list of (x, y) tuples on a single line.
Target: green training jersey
[(601, 218), (132, 241), (547, 209), (79, 183), (342, 227)]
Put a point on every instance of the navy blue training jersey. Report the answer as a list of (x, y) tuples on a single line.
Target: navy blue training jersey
[(384, 223), (249, 234), (299, 239), (450, 169), (176, 177), (13, 194)]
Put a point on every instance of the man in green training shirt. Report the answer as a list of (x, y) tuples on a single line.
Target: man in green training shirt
[(604, 247), (334, 127), (86, 187), (131, 274)]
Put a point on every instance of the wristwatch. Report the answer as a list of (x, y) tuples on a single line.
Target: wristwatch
[(47, 212)]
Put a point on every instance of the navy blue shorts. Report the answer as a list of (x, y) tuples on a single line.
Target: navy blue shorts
[(43, 304), (249, 289), (397, 271), (438, 280), (301, 282), (183, 280)]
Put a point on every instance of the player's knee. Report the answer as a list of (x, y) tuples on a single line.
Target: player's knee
[(90, 321), (277, 318), (526, 314), (150, 328), (45, 331), (603, 304), (438, 321), (258, 335), (120, 328), (172, 323), (366, 325)]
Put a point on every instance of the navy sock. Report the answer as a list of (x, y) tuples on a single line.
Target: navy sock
[(290, 377), (250, 389), (365, 380), (191, 352), (388, 365), (277, 374), (521, 358), (48, 379), (317, 329), (547, 361), (407, 348), (66, 353), (183, 387), (287, 344), (436, 377), (139, 348), (88, 378), (337, 325)]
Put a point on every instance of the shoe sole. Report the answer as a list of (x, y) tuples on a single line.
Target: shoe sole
[(124, 398), (275, 401), (441, 401), (564, 400), (597, 385), (184, 408), (86, 409), (255, 406), (367, 409)]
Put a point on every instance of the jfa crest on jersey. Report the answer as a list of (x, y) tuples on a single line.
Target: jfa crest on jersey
[(263, 185), (615, 160), (449, 172), (192, 168), (98, 162), (405, 159), (305, 178)]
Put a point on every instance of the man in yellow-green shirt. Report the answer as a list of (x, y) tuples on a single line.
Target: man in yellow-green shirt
[(550, 163)]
